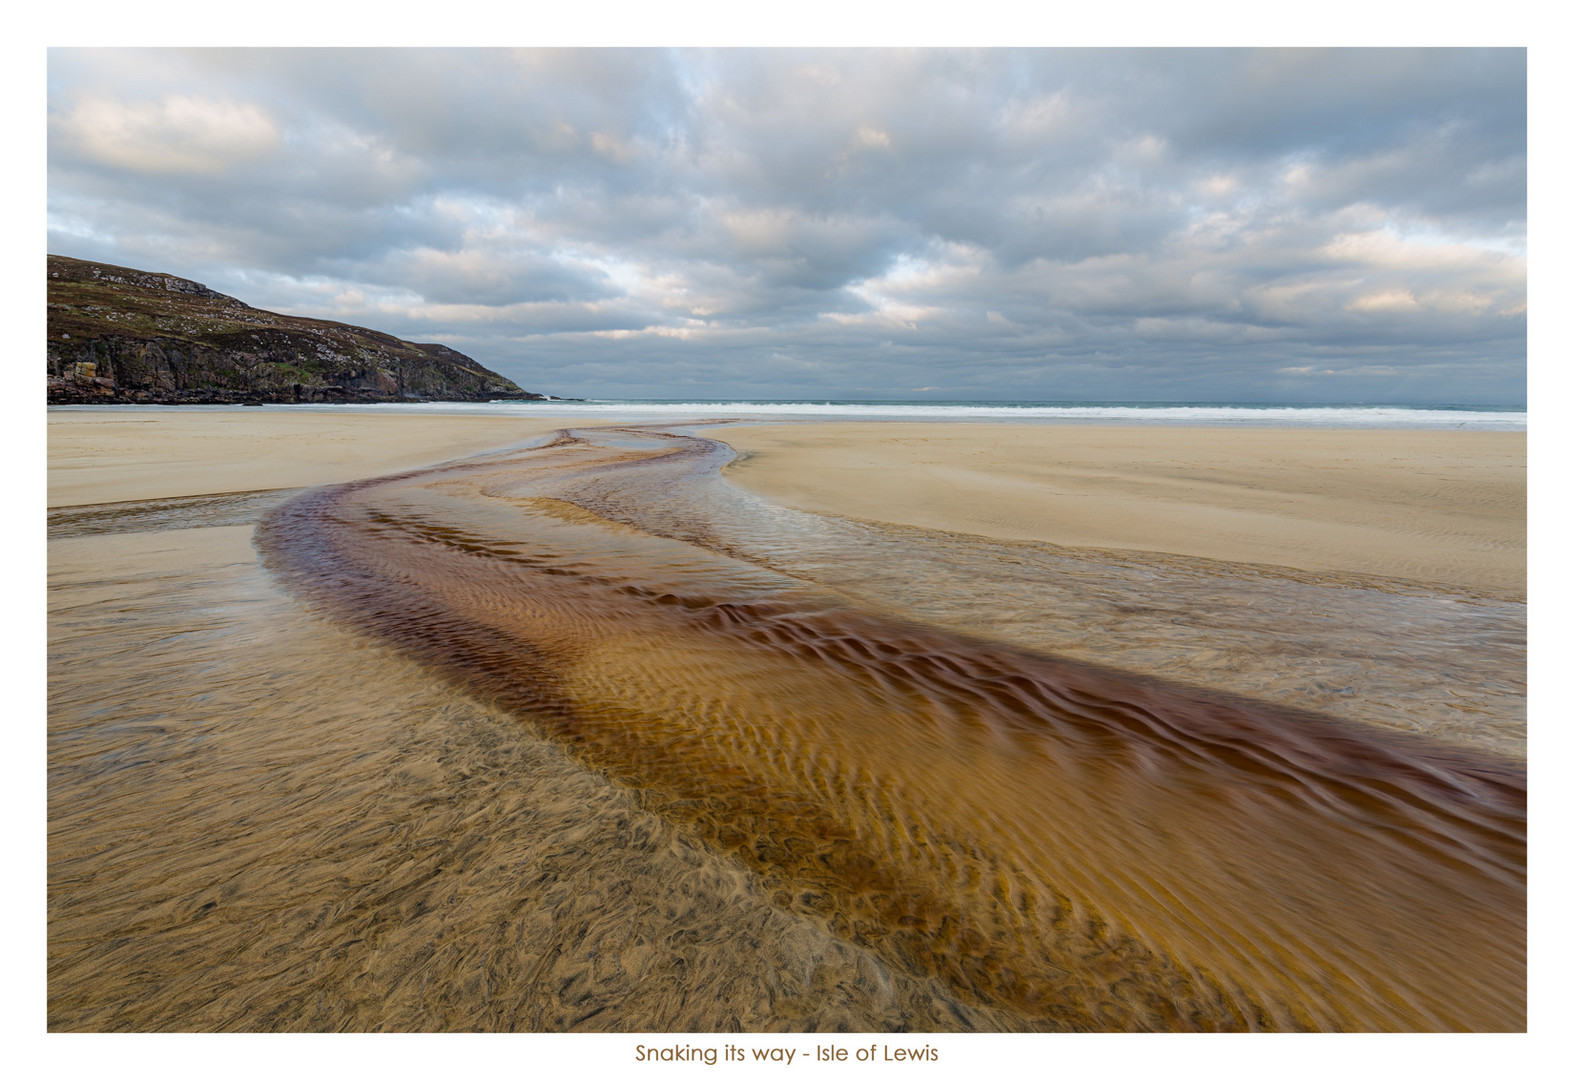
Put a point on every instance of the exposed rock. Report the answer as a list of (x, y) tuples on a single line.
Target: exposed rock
[(122, 335)]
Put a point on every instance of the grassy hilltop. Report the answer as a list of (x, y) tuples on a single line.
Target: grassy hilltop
[(122, 335)]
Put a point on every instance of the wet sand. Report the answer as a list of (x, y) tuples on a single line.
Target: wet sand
[(434, 805)]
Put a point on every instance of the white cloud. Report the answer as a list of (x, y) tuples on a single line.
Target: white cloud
[(1388, 301), (611, 147), (1388, 249), (176, 134), (872, 138)]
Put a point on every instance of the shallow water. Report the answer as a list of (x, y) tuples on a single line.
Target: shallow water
[(593, 740), (259, 822)]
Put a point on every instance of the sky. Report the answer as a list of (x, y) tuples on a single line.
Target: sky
[(996, 224)]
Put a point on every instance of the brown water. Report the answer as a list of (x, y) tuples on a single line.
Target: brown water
[(719, 765)]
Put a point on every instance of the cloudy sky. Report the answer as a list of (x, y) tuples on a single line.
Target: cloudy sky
[(1040, 224)]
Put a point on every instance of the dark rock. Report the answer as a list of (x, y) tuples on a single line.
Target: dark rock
[(116, 334)]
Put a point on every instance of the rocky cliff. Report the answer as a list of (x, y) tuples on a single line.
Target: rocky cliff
[(121, 335)]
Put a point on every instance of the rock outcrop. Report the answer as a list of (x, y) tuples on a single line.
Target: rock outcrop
[(122, 335)]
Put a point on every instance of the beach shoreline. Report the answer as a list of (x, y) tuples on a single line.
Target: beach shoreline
[(1437, 506)]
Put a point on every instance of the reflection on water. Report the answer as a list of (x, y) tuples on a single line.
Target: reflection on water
[(916, 804)]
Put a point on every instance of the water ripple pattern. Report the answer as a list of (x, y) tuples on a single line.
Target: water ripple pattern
[(260, 822), (1072, 845)]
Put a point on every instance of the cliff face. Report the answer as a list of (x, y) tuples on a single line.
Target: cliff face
[(121, 335)]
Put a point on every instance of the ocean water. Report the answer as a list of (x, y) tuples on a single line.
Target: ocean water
[(576, 736), (1476, 417), (1466, 417)]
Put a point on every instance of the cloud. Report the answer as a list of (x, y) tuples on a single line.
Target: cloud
[(175, 134), (835, 222)]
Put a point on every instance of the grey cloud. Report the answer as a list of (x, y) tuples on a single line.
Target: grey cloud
[(1005, 222)]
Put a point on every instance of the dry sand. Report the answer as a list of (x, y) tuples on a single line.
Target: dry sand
[(1434, 506), (101, 457)]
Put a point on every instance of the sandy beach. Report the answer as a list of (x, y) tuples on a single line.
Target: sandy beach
[(487, 798), (99, 457), (1436, 506)]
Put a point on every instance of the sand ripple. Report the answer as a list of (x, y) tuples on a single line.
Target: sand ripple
[(1055, 842)]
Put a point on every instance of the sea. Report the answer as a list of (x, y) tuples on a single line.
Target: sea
[(1474, 417), (1478, 417)]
